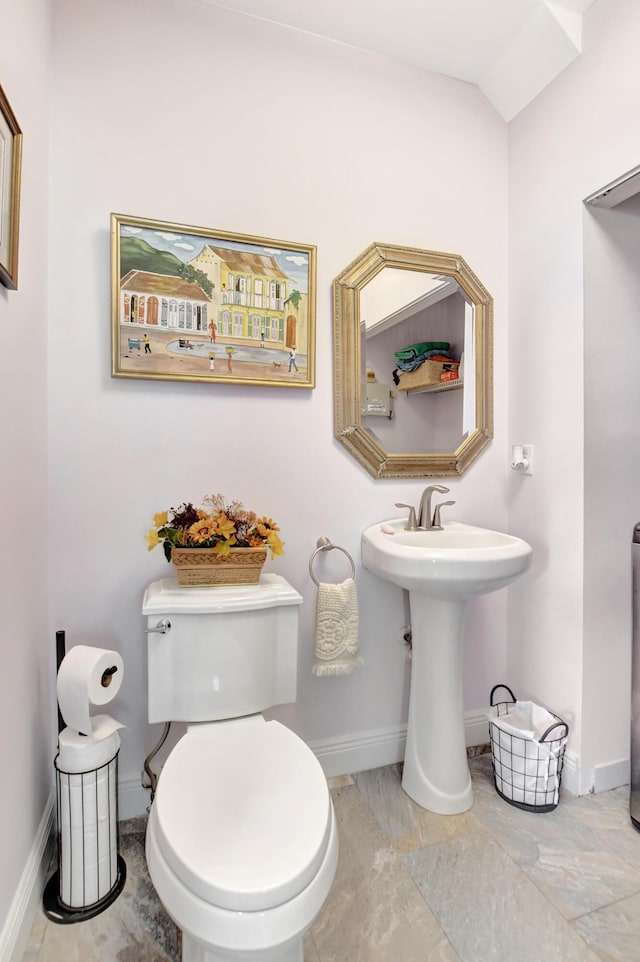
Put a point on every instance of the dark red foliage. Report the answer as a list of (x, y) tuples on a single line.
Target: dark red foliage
[(184, 516)]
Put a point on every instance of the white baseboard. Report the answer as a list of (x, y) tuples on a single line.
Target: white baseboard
[(582, 780), (348, 754), (476, 728), (17, 926), (611, 775), (343, 755)]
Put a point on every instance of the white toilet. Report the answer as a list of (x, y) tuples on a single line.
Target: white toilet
[(242, 843)]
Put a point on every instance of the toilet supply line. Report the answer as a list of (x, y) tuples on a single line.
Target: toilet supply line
[(146, 768)]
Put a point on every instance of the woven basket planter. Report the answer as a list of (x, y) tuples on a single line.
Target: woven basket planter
[(199, 567), (429, 373)]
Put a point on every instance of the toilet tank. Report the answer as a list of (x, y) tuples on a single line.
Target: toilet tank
[(226, 651)]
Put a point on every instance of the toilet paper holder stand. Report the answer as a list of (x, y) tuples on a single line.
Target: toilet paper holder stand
[(54, 908)]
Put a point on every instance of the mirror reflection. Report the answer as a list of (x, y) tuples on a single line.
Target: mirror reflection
[(417, 340), (413, 362)]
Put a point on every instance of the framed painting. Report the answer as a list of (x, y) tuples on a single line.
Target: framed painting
[(10, 167), (194, 304)]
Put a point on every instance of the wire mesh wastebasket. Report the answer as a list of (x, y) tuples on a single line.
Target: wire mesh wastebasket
[(527, 769)]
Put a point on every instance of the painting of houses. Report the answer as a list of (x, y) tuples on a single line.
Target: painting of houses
[(157, 299), (196, 304)]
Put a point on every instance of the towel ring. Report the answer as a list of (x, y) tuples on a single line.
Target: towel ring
[(324, 544)]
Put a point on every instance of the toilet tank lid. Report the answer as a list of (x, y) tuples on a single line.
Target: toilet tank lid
[(165, 597)]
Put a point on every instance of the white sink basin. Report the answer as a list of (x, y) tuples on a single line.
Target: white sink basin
[(457, 562), (442, 570)]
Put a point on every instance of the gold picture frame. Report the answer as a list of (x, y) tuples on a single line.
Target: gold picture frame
[(197, 304), (10, 171)]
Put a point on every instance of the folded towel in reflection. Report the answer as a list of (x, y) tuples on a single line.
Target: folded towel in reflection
[(423, 347), (412, 364), (337, 623)]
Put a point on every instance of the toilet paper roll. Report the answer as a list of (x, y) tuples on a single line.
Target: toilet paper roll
[(83, 753), (87, 813), (87, 677)]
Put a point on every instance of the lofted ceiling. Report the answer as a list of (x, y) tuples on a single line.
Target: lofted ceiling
[(510, 48)]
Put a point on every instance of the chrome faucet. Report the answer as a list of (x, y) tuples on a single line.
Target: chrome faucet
[(424, 511)]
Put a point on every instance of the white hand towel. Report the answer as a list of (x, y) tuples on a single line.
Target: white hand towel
[(337, 629)]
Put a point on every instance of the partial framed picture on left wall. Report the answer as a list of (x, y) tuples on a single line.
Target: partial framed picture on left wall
[(10, 167)]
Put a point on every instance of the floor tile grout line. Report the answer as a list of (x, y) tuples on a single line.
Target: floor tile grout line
[(543, 893), (570, 922), (474, 831), (607, 905), (400, 858), (433, 912)]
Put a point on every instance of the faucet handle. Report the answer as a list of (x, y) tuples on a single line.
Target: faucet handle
[(436, 514), (412, 524)]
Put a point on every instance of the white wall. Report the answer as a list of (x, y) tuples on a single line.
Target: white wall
[(575, 137), (201, 116), (612, 470), (27, 647)]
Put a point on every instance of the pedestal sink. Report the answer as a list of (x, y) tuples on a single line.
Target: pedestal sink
[(441, 569)]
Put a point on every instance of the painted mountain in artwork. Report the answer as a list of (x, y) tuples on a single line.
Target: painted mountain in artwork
[(137, 255)]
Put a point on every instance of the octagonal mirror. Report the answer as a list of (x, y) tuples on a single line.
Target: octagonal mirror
[(413, 362)]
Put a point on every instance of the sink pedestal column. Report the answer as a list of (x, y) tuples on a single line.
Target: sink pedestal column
[(436, 771)]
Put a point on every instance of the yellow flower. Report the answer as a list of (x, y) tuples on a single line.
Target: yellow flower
[(275, 544), (161, 519), (202, 531), (264, 525), (152, 538), (224, 527), (223, 547)]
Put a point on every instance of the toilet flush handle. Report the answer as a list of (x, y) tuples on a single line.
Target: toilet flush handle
[(163, 626)]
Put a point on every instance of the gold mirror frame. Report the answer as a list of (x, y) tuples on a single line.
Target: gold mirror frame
[(348, 363)]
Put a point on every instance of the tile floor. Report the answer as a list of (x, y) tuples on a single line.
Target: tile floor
[(492, 885)]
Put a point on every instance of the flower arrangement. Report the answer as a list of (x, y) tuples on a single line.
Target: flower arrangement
[(217, 526)]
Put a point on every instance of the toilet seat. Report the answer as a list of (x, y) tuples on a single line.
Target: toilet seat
[(243, 813)]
